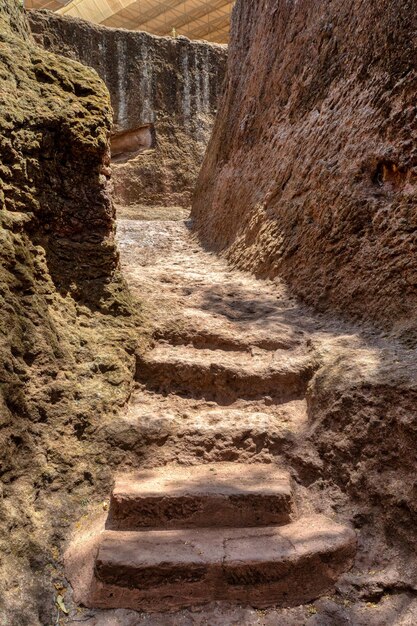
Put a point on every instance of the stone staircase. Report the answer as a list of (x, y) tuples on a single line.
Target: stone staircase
[(221, 495), (211, 513), (179, 536)]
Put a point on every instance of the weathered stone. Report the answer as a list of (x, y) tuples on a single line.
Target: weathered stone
[(60, 288), (250, 432), (260, 567), (226, 375), (311, 170), (221, 494), (160, 87)]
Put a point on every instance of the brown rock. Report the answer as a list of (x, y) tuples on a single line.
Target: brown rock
[(164, 93), (246, 433), (60, 288), (222, 494), (225, 375), (156, 570), (311, 170)]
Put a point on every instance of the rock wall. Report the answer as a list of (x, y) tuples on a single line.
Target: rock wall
[(164, 87), (311, 172), (65, 358)]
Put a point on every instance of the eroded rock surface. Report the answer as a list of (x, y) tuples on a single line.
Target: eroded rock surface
[(65, 359), (260, 567), (221, 494), (311, 170), (164, 93)]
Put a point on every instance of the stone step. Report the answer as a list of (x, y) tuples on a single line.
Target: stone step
[(203, 330), (273, 566), (226, 375), (219, 494), (197, 434)]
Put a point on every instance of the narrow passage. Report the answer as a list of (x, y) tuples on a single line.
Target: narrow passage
[(209, 508)]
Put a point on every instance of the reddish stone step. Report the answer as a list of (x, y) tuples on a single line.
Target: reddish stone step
[(261, 567), (226, 375), (203, 330), (220, 494), (196, 433)]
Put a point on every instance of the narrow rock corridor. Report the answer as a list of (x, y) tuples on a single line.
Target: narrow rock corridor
[(208, 389), (223, 390)]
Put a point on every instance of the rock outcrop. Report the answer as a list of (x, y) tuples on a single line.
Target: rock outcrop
[(65, 359), (164, 93), (311, 172)]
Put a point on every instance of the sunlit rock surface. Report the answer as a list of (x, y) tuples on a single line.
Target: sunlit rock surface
[(311, 171), (166, 88)]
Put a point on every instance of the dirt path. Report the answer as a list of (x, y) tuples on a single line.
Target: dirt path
[(224, 382)]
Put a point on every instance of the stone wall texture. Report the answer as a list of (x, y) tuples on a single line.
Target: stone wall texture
[(169, 85), (67, 322), (311, 172)]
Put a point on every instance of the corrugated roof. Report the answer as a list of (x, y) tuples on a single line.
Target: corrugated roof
[(196, 19), (52, 5)]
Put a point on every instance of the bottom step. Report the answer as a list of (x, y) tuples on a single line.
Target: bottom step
[(261, 567)]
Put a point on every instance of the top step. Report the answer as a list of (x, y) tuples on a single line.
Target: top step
[(220, 494), (204, 330)]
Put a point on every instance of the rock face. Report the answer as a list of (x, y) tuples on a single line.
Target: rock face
[(311, 172), (164, 93), (63, 354), (54, 177)]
